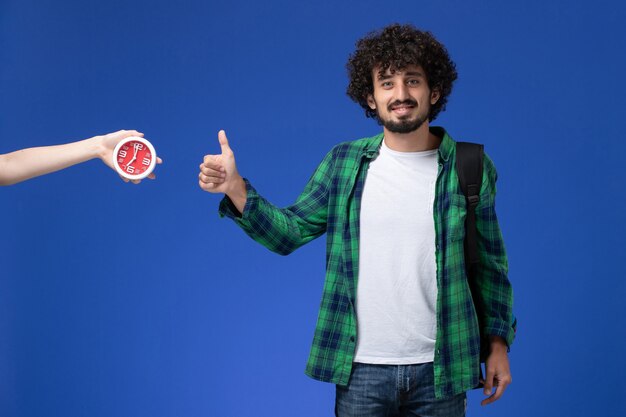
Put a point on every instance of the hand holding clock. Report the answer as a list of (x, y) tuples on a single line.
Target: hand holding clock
[(114, 145), (218, 174), (29, 163)]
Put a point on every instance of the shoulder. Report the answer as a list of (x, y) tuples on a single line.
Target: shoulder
[(449, 146), (490, 176), (489, 168), (357, 147), (339, 154), (345, 156)]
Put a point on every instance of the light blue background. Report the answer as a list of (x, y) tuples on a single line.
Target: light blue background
[(121, 300)]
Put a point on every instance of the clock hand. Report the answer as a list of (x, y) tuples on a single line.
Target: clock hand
[(135, 147)]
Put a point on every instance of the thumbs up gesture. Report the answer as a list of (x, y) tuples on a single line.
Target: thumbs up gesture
[(218, 174)]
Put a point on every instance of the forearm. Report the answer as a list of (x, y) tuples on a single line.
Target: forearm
[(28, 163), (495, 292), (495, 297), (278, 229), (282, 230)]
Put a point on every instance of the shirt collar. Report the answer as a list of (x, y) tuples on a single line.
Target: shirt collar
[(371, 146), (447, 144)]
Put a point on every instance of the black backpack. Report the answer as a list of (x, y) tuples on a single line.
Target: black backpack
[(469, 168)]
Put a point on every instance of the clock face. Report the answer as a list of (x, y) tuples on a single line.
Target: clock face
[(134, 158)]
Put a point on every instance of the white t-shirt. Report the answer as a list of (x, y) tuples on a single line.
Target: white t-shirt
[(397, 283)]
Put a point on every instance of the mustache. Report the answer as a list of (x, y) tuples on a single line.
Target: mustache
[(408, 102)]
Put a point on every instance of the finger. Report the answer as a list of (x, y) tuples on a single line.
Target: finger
[(206, 187), (152, 176), (211, 163), (499, 391), (136, 181), (496, 396), (500, 384), (488, 390), (211, 177), (212, 171), (221, 136), (207, 179), (487, 401), (128, 133), (489, 381), (214, 182)]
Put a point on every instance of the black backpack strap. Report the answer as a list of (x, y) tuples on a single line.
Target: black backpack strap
[(469, 168)]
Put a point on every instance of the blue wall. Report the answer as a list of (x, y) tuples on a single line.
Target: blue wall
[(213, 324)]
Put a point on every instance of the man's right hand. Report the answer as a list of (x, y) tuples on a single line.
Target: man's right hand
[(218, 174)]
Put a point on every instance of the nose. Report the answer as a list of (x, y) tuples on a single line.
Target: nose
[(402, 91)]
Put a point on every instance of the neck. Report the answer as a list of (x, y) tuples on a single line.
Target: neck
[(416, 141)]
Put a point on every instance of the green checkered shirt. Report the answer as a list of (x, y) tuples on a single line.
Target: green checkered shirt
[(330, 204)]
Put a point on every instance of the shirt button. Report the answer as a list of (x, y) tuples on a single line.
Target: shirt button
[(351, 338)]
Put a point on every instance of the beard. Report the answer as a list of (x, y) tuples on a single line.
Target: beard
[(404, 124)]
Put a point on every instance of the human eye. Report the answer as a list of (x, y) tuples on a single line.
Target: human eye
[(413, 82), (386, 84)]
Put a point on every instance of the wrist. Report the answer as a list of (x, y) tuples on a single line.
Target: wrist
[(237, 190), (498, 343), (238, 193), (97, 147)]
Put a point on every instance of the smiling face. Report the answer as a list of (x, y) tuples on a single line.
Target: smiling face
[(401, 98)]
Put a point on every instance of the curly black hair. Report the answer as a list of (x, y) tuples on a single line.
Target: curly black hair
[(395, 47)]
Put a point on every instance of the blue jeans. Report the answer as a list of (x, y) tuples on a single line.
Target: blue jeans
[(394, 390)]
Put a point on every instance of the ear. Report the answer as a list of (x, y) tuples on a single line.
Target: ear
[(434, 96), (371, 102)]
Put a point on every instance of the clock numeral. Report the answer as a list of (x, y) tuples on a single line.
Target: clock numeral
[(146, 161), (122, 154), (148, 154), (130, 169), (125, 147), (120, 160), (139, 146)]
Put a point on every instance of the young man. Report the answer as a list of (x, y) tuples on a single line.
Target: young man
[(29, 163), (398, 331)]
